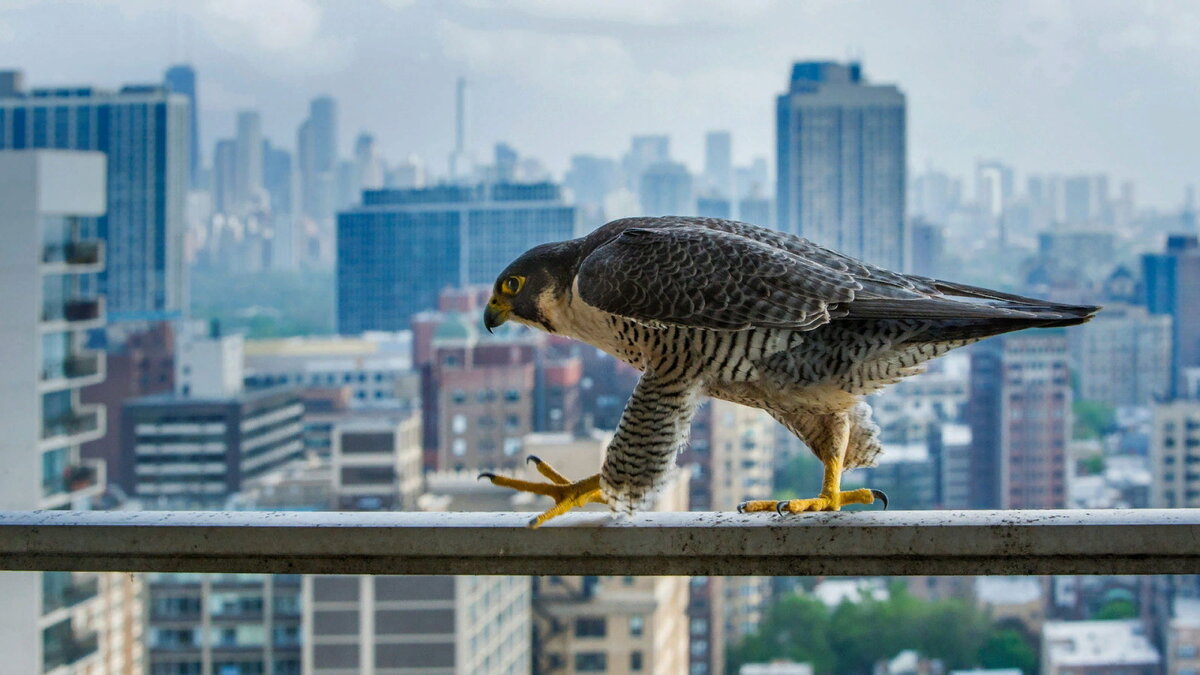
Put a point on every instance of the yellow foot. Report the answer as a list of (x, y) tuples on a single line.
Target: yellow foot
[(822, 503), (566, 494)]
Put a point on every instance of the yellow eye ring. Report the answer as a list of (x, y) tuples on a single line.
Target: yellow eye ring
[(513, 285)]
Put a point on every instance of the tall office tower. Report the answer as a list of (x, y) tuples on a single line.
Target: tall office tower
[(408, 173), (401, 247), (644, 151), (665, 189), (144, 132), (181, 79), (993, 193), (591, 179), (1124, 356), (317, 147), (1019, 410), (460, 160), (1085, 200), (249, 151), (368, 163), (841, 161), (928, 249), (224, 177), (279, 183), (1172, 282), (54, 621), (935, 196), (718, 164)]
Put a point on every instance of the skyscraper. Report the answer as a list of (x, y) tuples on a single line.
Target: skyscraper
[(144, 132), (1172, 281), (248, 148), (718, 163), (398, 249), (841, 162), (181, 79), (317, 146), (1019, 411), (460, 162), (665, 189)]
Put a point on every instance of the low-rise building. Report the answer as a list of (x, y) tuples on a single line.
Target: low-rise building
[(1088, 647), (377, 464)]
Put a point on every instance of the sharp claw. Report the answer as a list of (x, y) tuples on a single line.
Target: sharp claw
[(533, 458), (486, 474), (779, 507), (741, 508), (881, 496)]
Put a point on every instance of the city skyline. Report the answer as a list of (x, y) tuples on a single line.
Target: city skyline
[(1073, 80)]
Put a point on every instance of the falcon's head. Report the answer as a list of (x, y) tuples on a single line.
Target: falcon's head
[(532, 285)]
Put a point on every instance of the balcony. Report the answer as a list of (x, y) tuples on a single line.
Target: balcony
[(1136, 541), (70, 650), (77, 256), (74, 313), (82, 480), (78, 426), (78, 590), (74, 369)]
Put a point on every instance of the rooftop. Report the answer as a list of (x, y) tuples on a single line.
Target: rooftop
[(1097, 643)]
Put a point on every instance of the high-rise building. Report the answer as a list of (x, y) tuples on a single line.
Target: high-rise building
[(1175, 437), (181, 79), (55, 622), (718, 163), (368, 164), (1019, 411), (1172, 285), (317, 147), (144, 132), (248, 149), (460, 158), (665, 189), (224, 177), (643, 152), (1124, 356), (841, 162), (401, 247)]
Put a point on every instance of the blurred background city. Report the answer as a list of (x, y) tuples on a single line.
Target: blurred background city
[(247, 244)]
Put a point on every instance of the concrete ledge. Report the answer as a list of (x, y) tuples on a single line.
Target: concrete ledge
[(1148, 541)]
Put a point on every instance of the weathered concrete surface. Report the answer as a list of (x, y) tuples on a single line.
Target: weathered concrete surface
[(1148, 541)]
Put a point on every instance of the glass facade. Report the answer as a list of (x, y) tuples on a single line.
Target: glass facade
[(144, 133)]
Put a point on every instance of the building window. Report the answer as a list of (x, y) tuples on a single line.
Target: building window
[(512, 396), (591, 662), (1187, 651), (458, 396), (459, 447), (512, 446), (635, 661), (637, 625), (458, 424), (590, 626)]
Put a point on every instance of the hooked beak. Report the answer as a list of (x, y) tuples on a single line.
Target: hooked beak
[(496, 313)]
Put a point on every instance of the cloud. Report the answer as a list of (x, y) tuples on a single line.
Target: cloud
[(286, 30), (638, 12)]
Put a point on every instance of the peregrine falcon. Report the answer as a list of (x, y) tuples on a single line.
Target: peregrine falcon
[(711, 307)]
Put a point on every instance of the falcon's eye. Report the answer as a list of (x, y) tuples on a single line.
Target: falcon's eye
[(512, 285)]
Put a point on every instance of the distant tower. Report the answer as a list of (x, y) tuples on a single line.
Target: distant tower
[(317, 146), (249, 171), (181, 79), (841, 162), (718, 164), (460, 165)]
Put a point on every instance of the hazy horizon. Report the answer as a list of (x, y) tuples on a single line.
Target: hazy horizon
[(1067, 87)]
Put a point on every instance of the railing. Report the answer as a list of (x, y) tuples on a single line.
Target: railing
[(1148, 541), (81, 421), (85, 252), (74, 310), (72, 367)]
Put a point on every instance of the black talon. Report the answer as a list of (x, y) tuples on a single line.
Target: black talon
[(779, 506), (485, 474), (741, 508), (533, 458), (881, 496)]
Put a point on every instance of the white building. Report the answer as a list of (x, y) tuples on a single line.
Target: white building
[(1084, 647), (1174, 446), (54, 622), (377, 464)]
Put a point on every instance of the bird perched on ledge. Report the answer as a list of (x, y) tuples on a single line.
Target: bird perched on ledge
[(710, 307)]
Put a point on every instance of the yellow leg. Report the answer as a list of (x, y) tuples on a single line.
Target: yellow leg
[(832, 497), (565, 493)]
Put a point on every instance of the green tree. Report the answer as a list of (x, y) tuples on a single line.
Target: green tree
[(1008, 648), (1093, 419), (795, 628), (1116, 609)]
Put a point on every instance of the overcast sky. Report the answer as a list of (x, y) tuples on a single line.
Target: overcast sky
[(1046, 86)]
